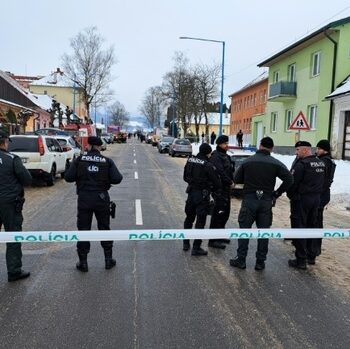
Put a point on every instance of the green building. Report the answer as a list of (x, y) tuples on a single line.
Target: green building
[(300, 77)]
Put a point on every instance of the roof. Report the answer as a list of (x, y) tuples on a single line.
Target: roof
[(56, 78), (314, 36), (263, 76), (342, 90), (214, 119)]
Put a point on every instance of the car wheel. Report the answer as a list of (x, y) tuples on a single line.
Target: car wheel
[(51, 176), (173, 154), (169, 153)]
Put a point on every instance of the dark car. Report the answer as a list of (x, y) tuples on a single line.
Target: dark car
[(180, 146), (164, 144)]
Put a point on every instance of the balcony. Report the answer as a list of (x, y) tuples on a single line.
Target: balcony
[(283, 91)]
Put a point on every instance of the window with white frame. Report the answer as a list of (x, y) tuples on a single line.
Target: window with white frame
[(289, 118), (274, 116), (276, 76), (291, 72), (312, 116), (315, 63)]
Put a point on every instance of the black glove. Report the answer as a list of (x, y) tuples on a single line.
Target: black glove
[(275, 196)]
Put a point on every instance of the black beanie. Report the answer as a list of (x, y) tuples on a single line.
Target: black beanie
[(205, 149), (267, 142), (324, 144), (222, 139), (93, 140), (302, 144)]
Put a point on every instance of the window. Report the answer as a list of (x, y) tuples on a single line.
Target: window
[(291, 72), (289, 118), (276, 76), (315, 64), (312, 116), (274, 121)]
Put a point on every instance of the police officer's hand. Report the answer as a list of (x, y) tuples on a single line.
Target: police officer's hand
[(275, 196)]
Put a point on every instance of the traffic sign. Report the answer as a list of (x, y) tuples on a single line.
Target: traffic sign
[(299, 123)]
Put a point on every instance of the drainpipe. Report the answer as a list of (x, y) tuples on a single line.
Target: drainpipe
[(335, 49)]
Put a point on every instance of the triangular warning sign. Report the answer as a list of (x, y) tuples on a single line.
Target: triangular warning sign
[(299, 123)]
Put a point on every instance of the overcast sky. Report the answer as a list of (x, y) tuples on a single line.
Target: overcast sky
[(145, 34)]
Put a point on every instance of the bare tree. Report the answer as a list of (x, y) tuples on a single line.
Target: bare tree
[(151, 106), (89, 66), (117, 114)]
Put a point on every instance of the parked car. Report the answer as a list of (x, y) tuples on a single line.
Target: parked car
[(237, 157), (69, 145), (42, 156), (180, 146), (164, 144), (108, 137), (104, 144)]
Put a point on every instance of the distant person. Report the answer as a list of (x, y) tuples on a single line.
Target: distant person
[(13, 177), (212, 138), (203, 137), (308, 172), (239, 138), (93, 174), (202, 179), (323, 152), (258, 174)]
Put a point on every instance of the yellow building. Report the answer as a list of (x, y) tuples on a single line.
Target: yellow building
[(62, 89)]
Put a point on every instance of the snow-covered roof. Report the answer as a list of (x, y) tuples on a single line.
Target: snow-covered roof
[(263, 76), (214, 119), (56, 78), (343, 89)]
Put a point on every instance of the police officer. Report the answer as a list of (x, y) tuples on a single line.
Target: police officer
[(323, 149), (202, 179), (308, 172), (222, 202), (93, 174), (258, 174), (13, 177)]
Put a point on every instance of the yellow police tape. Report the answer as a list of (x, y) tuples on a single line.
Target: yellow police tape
[(170, 234)]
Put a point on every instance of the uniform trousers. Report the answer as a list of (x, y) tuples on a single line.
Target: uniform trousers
[(260, 212), (93, 203), (12, 221), (196, 208)]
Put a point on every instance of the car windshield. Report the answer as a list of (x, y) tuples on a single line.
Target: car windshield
[(167, 139), (23, 144), (183, 142)]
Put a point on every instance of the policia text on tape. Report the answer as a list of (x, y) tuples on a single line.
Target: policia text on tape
[(170, 234)]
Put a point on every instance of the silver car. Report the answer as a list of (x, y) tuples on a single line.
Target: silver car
[(180, 146), (164, 144)]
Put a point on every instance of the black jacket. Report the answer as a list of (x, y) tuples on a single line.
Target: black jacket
[(13, 176), (308, 176), (200, 174), (259, 172), (329, 171), (224, 166), (93, 172)]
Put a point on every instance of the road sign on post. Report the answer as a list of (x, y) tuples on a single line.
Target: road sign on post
[(299, 123)]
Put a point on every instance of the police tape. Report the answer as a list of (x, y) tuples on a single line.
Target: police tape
[(170, 234)]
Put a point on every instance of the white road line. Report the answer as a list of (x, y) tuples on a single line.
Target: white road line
[(134, 161), (136, 175), (138, 210), (134, 154)]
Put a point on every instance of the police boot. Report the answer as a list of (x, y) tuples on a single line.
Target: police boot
[(238, 262), (109, 261), (297, 263), (216, 244), (198, 252), (82, 264), (260, 264), (186, 245)]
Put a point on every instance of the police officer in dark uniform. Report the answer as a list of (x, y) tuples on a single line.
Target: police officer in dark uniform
[(323, 149), (308, 172), (13, 177), (93, 174), (222, 202), (258, 174), (202, 179)]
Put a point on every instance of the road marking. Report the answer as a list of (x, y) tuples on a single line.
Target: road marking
[(134, 161), (136, 175), (134, 154), (138, 209)]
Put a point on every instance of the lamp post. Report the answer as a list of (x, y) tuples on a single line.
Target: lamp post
[(222, 73)]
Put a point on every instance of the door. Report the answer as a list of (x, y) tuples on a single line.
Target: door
[(259, 132), (346, 150)]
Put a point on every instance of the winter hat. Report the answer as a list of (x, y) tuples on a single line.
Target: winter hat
[(302, 144), (93, 140), (222, 139), (324, 144), (205, 149), (4, 135), (267, 142)]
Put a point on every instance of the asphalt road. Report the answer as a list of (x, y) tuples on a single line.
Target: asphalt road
[(159, 296)]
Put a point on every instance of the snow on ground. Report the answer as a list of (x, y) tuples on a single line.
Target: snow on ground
[(340, 189)]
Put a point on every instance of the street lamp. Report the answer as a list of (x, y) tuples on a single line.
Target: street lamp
[(222, 73)]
